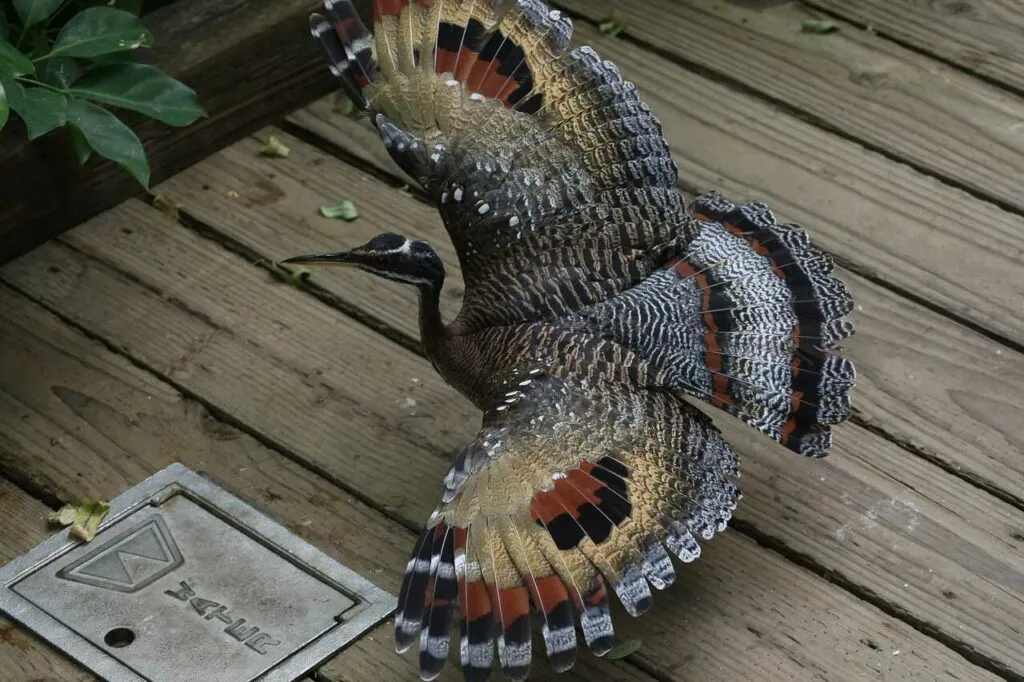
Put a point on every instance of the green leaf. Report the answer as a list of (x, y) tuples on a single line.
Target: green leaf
[(60, 72), (274, 147), (101, 30), (109, 137), (34, 11), (13, 62), (141, 88), (122, 57), (611, 27), (345, 210), (5, 109), (296, 277), (84, 520), (64, 516), (818, 26), (5, 30), (80, 146), (42, 110), (623, 649)]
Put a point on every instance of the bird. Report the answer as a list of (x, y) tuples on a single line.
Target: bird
[(600, 308)]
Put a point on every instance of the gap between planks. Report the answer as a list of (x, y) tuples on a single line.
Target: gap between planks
[(247, 217), (221, 180), (851, 83), (737, 598), (982, 38), (107, 424), (915, 415)]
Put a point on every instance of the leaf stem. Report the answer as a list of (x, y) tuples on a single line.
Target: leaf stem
[(33, 81)]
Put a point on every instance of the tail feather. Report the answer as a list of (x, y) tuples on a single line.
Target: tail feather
[(746, 317), (819, 381)]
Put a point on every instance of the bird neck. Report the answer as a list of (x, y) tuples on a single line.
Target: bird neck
[(432, 328)]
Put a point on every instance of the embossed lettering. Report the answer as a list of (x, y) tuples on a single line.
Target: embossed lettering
[(237, 629), (184, 594), (260, 642), (200, 605), (220, 613), (241, 633)]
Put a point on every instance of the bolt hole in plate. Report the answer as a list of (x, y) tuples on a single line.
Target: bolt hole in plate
[(186, 582), (119, 638)]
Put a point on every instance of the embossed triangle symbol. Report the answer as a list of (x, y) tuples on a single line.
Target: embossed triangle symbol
[(130, 561)]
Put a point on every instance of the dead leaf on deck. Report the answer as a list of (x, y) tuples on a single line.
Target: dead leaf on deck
[(84, 520), (274, 147), (166, 205)]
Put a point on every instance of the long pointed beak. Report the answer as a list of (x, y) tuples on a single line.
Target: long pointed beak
[(337, 258)]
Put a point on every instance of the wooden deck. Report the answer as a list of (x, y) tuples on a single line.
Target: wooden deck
[(137, 340)]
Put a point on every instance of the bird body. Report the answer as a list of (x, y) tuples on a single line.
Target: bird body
[(597, 304)]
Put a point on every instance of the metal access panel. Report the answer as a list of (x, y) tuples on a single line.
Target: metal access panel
[(185, 582)]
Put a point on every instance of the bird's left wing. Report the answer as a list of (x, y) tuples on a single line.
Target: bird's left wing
[(571, 490)]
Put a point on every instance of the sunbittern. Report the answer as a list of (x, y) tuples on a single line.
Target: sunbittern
[(596, 303)]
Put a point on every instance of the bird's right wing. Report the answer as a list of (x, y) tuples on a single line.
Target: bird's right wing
[(552, 177), (570, 489)]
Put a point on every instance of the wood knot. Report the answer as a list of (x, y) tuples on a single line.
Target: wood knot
[(265, 192), (875, 80)]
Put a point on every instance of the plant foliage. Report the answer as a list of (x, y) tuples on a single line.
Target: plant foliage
[(68, 62)]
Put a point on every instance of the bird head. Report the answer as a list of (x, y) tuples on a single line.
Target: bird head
[(388, 255)]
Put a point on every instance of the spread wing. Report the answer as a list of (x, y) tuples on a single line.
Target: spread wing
[(570, 491), (552, 177)]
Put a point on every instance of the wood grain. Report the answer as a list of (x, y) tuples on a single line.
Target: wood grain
[(23, 656), (739, 597), (922, 379), (933, 116), (214, 324), (913, 366), (83, 422), (983, 36)]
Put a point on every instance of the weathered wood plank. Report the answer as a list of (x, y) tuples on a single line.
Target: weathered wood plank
[(220, 50), (889, 97), (934, 384), (739, 598), (305, 180), (882, 218), (983, 36), (22, 655), (213, 324), (82, 422)]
